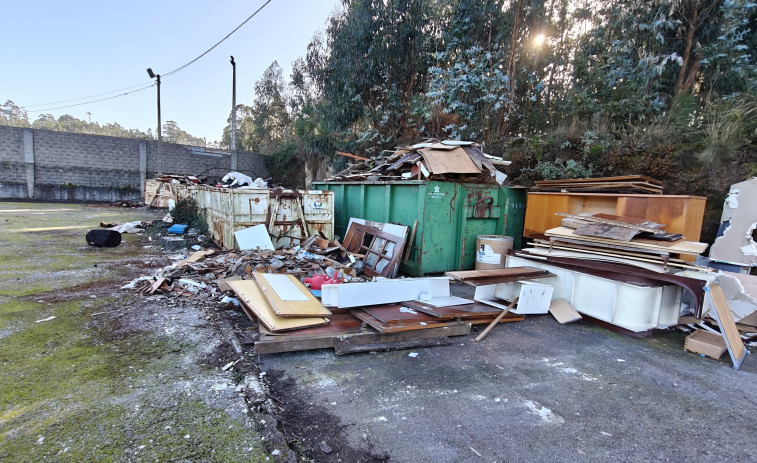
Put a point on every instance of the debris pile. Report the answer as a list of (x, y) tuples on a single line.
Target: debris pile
[(354, 314), (434, 159)]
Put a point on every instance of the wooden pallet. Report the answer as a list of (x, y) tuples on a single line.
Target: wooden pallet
[(367, 340)]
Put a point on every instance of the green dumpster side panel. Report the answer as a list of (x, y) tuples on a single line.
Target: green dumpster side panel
[(450, 217)]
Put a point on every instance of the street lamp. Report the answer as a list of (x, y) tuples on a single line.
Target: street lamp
[(160, 137), (233, 105)]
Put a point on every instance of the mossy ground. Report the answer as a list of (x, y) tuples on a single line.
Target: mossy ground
[(82, 386)]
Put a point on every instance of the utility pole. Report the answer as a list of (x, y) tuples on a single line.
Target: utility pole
[(89, 116), (160, 136), (233, 105)]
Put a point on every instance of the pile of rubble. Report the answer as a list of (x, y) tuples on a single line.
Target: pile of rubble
[(433, 159)]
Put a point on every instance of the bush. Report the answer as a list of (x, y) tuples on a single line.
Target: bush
[(187, 212)]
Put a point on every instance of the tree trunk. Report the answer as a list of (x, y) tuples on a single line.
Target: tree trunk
[(513, 53), (683, 73)]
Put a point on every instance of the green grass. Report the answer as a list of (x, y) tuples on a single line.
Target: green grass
[(75, 388)]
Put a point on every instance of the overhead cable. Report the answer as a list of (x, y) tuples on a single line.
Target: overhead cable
[(220, 41), (85, 97), (143, 88), (93, 101)]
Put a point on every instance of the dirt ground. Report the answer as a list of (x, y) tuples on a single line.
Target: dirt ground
[(117, 376), (113, 376)]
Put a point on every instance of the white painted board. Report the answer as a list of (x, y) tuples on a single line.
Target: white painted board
[(284, 287), (448, 301), (253, 238), (382, 292)]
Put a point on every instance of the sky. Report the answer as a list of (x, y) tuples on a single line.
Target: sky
[(53, 51)]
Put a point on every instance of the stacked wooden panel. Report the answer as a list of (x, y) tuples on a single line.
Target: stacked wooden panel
[(625, 184)]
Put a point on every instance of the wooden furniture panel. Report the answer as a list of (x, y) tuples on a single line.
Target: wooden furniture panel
[(679, 213), (308, 307)]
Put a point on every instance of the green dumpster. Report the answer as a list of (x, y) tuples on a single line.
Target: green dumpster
[(450, 216)]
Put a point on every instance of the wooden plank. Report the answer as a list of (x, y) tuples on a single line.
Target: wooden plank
[(496, 320), (397, 313), (652, 259), (680, 247), (195, 257), (290, 344), (463, 312), (642, 225), (454, 161), (465, 275), (410, 243), (563, 311), (353, 156), (723, 316), (601, 230), (385, 328), (310, 307), (494, 276), (396, 345), (508, 318), (602, 179), (258, 308), (338, 324)]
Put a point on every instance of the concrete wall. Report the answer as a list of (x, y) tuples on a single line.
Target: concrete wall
[(49, 165)]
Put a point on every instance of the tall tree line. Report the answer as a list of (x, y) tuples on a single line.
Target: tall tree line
[(386, 72)]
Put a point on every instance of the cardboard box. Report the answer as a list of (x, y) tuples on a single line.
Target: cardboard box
[(704, 342)]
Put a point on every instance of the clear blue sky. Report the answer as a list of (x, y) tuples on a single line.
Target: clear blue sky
[(60, 50)]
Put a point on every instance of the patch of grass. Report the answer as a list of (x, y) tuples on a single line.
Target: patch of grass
[(78, 388)]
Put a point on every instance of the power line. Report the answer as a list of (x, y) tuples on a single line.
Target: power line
[(143, 88), (84, 97), (220, 41), (93, 101)]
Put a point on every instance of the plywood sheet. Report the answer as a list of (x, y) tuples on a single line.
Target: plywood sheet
[(384, 328), (500, 275), (464, 312), (626, 178), (454, 161), (257, 307), (338, 324), (727, 325), (397, 313), (679, 247), (563, 311), (310, 307), (601, 230)]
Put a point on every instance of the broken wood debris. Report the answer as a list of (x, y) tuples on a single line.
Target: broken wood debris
[(434, 159)]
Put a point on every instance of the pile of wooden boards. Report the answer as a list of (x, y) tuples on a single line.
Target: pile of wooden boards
[(619, 238), (360, 323), (625, 184), (433, 159)]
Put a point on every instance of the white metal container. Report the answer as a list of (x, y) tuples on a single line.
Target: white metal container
[(298, 213), (633, 307), (159, 193)]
